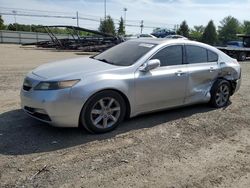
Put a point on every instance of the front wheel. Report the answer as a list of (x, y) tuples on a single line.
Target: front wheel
[(220, 93), (103, 112)]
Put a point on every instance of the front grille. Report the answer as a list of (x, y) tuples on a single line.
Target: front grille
[(33, 112)]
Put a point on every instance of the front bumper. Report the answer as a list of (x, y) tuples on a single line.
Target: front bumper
[(55, 107), (238, 84)]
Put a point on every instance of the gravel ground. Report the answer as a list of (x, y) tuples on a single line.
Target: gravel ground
[(195, 146)]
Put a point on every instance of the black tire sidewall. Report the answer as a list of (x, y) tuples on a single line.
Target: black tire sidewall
[(214, 90), (85, 118)]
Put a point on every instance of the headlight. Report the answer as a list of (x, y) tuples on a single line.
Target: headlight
[(56, 85)]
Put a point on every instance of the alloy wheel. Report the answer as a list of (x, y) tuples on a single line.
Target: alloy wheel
[(222, 95), (105, 113)]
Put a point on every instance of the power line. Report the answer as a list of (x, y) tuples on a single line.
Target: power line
[(28, 13), (48, 16), (34, 10), (53, 12)]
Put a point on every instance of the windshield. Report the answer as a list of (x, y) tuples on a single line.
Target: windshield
[(125, 54)]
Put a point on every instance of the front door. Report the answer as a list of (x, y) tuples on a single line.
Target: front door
[(164, 86)]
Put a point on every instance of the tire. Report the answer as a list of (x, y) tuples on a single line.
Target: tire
[(100, 115), (220, 93), (242, 56)]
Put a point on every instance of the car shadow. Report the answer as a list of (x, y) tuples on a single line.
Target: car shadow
[(20, 134)]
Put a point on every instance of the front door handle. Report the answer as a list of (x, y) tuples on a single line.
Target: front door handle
[(179, 73), (211, 69)]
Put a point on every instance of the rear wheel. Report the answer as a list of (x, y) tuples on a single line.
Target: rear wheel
[(103, 112), (220, 93)]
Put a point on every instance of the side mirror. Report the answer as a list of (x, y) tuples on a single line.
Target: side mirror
[(150, 65)]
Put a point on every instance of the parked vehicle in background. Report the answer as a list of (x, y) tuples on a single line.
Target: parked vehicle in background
[(175, 37), (238, 50), (235, 44), (132, 78), (162, 33), (140, 36)]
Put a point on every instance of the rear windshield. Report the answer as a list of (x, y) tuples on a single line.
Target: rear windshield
[(125, 54)]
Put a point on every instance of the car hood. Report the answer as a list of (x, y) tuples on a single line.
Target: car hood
[(71, 68)]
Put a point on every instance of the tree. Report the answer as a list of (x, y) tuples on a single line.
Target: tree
[(11, 27), (229, 28), (121, 29), (210, 35), (1, 23), (107, 26), (196, 33), (246, 27), (184, 29)]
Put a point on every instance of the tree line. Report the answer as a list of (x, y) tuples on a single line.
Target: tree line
[(227, 31)]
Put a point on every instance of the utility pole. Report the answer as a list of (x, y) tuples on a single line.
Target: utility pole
[(141, 26), (125, 14), (177, 27), (105, 10), (77, 19), (14, 12)]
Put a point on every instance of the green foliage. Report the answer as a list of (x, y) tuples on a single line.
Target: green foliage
[(11, 27), (107, 26), (184, 29), (246, 27), (196, 33), (229, 28), (1, 23), (121, 29), (210, 35)]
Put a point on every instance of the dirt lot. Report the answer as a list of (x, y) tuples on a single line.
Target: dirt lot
[(189, 147)]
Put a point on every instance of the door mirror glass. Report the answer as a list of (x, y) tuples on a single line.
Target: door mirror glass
[(150, 65)]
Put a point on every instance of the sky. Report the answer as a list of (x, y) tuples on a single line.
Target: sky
[(154, 13)]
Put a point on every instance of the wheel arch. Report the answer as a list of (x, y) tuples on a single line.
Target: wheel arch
[(230, 81)]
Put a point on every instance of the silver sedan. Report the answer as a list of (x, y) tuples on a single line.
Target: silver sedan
[(132, 78)]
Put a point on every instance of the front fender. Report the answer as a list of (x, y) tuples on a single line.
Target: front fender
[(94, 84)]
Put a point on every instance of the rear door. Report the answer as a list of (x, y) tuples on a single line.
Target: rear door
[(203, 69)]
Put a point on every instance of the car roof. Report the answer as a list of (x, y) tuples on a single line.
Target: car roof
[(158, 41), (151, 40), (166, 41)]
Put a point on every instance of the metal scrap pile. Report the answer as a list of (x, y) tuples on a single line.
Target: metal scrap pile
[(97, 42)]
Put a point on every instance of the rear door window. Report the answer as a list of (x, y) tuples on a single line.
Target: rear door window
[(196, 54), (212, 57)]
